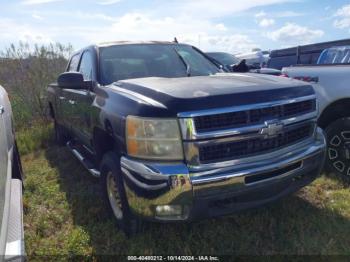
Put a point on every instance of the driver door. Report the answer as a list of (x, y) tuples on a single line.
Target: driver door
[(65, 96), (81, 101)]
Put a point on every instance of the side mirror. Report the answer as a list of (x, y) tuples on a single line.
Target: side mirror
[(72, 80)]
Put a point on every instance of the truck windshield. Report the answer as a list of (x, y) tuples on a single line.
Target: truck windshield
[(122, 62), (224, 58)]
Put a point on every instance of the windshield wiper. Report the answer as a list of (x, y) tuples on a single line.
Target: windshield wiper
[(188, 68)]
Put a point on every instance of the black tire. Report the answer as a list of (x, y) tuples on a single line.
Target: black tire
[(338, 147), (60, 135), (110, 169)]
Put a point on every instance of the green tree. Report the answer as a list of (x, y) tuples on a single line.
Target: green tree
[(26, 71)]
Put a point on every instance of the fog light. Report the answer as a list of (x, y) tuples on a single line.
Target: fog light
[(169, 211)]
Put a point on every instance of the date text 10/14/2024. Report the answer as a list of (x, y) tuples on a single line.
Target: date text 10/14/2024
[(173, 258)]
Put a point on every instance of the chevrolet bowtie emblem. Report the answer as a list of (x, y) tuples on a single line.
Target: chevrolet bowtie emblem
[(272, 128)]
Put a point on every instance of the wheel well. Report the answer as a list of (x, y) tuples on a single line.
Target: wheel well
[(334, 111), (17, 171), (103, 141)]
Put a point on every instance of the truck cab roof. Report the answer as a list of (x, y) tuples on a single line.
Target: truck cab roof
[(126, 42)]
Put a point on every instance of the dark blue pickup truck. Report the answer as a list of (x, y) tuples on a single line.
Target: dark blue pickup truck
[(173, 138)]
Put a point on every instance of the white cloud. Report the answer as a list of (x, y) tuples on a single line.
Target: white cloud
[(145, 25), (38, 2), (192, 21), (221, 27), (295, 34), (94, 16), (262, 20), (23, 33), (343, 11), (266, 22), (37, 17), (288, 14), (235, 43), (213, 9), (201, 33), (260, 14), (342, 23), (281, 14), (108, 2), (343, 17)]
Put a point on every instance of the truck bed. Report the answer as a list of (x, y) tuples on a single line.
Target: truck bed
[(331, 82)]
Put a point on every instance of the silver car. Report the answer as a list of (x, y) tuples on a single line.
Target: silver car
[(11, 209)]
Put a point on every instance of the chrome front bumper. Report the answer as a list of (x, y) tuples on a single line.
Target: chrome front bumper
[(221, 190)]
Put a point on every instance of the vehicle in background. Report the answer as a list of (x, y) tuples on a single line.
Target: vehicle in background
[(301, 55), (266, 71), (173, 138), (335, 55), (229, 61), (11, 208), (331, 83), (255, 58)]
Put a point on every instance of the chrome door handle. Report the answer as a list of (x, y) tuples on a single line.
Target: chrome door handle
[(2, 110), (72, 102), (62, 98)]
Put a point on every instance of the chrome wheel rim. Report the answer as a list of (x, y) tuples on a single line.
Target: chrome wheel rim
[(339, 152), (113, 196)]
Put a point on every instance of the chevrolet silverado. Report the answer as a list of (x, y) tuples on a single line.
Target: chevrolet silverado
[(173, 138)]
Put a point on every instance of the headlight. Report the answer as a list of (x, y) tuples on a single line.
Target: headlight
[(151, 138)]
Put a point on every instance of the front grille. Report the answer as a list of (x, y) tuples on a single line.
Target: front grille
[(250, 147), (253, 116)]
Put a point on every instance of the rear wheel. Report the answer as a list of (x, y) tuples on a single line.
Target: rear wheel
[(338, 147), (114, 194)]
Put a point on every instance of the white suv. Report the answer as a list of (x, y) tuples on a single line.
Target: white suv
[(11, 209)]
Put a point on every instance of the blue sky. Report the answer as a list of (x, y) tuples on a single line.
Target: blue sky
[(223, 25)]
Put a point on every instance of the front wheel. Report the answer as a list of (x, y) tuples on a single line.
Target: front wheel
[(338, 147), (114, 194)]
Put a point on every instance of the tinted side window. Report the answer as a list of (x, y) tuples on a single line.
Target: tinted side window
[(86, 66), (74, 62)]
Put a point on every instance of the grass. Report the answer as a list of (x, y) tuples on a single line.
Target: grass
[(34, 138), (65, 216)]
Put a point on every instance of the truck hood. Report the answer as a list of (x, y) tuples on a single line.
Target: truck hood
[(220, 90)]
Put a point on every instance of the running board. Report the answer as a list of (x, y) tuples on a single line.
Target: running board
[(86, 162)]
